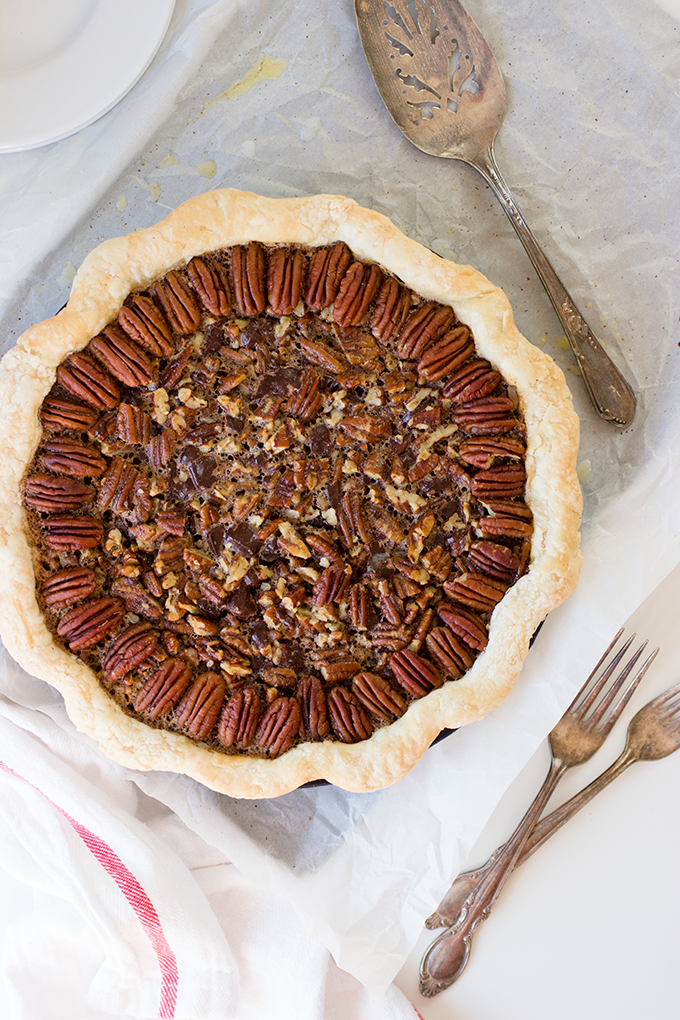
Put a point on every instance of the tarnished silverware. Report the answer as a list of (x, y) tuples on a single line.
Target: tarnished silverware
[(443, 88), (653, 733), (578, 735)]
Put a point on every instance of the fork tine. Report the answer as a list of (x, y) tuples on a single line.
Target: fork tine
[(585, 697), (606, 724), (612, 692)]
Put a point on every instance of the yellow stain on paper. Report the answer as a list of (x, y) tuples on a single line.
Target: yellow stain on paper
[(207, 169), (168, 160), (265, 68), (121, 204)]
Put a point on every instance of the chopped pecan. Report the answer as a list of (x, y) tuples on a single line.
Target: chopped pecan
[(322, 355), (488, 416), (423, 328), (360, 349), (278, 676), (366, 428), (494, 559), (134, 646), (86, 625), (348, 719), (122, 357), (60, 415), (386, 525), (160, 449), (248, 275), (291, 542), (416, 675), (314, 710), (68, 587), (45, 492), (392, 306), (332, 586), (68, 533), (69, 457), (326, 269), (335, 664), (323, 548), (285, 275), (144, 322), (163, 689), (84, 378), (200, 708), (476, 591), (466, 624), (170, 554), (438, 562), (379, 696), (471, 382), (500, 482), (239, 719), (279, 726), (117, 485), (482, 452), (137, 599), (449, 651), (178, 302), (447, 354), (210, 280), (172, 521), (133, 425), (385, 635), (358, 287)]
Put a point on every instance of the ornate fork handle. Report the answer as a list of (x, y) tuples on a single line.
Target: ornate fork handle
[(609, 391), (448, 955)]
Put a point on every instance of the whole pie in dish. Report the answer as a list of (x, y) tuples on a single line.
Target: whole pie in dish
[(284, 495)]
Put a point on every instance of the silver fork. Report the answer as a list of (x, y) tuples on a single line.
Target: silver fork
[(577, 736)]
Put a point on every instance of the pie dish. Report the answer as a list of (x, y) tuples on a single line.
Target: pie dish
[(285, 495)]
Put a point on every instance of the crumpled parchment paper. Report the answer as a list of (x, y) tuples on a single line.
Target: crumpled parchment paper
[(277, 99)]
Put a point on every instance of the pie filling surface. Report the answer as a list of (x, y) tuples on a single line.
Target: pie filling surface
[(276, 500)]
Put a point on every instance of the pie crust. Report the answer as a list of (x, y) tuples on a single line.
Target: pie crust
[(208, 223)]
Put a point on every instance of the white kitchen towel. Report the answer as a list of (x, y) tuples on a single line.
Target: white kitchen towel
[(118, 911)]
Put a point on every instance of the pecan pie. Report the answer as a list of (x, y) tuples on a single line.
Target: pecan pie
[(285, 494)]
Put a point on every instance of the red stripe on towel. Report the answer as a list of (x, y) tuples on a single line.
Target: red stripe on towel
[(136, 897)]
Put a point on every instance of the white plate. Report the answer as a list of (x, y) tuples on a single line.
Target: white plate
[(65, 63)]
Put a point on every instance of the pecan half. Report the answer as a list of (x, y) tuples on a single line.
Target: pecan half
[(476, 591), (359, 606), (161, 448), (61, 415), (68, 533), (69, 457), (322, 355), (133, 425), (366, 428), (348, 718), (306, 402), (84, 378), (423, 328), (392, 306), (45, 492), (178, 302), (248, 274), (487, 416), (358, 288), (332, 586), (494, 559), (136, 598), (144, 322), (130, 649), (200, 708), (465, 624), (124, 359), (352, 523), (239, 719), (502, 526), (327, 267), (416, 675), (500, 482), (68, 587), (471, 382), (86, 625), (210, 280), (482, 452), (285, 275), (378, 696), (279, 726), (335, 664), (449, 651), (447, 354), (117, 486), (314, 711), (163, 689)]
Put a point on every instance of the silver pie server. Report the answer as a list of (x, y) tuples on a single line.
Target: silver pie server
[(443, 88)]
